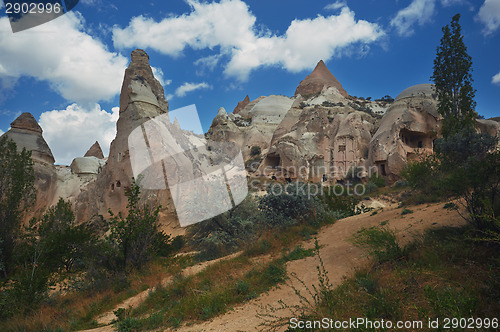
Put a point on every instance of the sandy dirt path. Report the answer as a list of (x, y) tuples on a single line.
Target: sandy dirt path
[(135, 300), (339, 256)]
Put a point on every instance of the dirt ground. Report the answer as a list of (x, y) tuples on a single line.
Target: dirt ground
[(339, 255)]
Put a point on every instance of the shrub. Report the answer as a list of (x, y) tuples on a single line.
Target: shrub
[(406, 211), (381, 242), (401, 184), (287, 204), (226, 232), (377, 180), (134, 239), (370, 187), (255, 151)]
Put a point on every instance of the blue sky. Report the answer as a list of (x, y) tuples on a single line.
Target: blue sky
[(68, 72)]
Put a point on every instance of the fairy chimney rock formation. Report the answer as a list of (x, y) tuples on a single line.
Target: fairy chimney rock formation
[(241, 105), (95, 151), (319, 79), (26, 132)]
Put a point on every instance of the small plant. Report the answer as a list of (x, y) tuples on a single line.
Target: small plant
[(255, 151), (406, 211), (450, 206), (377, 180), (298, 253), (401, 184), (381, 243)]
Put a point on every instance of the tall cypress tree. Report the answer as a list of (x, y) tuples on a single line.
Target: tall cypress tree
[(453, 80)]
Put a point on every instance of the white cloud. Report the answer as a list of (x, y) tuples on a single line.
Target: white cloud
[(496, 79), (158, 74), (76, 65), (190, 87), (336, 5), (72, 131), (418, 12), (208, 62), (1, 131), (489, 15), (230, 27)]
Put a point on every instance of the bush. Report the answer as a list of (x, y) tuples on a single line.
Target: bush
[(226, 232), (401, 184), (135, 239), (370, 187), (377, 180), (354, 174), (381, 242), (288, 204), (255, 151)]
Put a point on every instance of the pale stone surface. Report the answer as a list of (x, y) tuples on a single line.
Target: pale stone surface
[(87, 165), (26, 132), (407, 129)]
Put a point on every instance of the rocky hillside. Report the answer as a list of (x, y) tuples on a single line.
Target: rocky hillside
[(316, 135)]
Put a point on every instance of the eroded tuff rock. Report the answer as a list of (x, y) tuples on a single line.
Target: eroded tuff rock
[(315, 139), (142, 99), (318, 142), (319, 79), (27, 133), (241, 105), (254, 125), (95, 151), (408, 128)]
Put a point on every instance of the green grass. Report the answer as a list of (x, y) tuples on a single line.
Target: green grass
[(213, 291), (444, 274)]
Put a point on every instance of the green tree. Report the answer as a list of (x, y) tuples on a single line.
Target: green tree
[(64, 243), (453, 80), (17, 193), (136, 238)]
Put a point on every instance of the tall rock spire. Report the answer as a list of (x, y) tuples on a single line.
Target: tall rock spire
[(320, 78)]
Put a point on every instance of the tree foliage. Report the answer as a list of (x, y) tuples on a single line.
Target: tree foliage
[(136, 238), (17, 193), (453, 80), (65, 243)]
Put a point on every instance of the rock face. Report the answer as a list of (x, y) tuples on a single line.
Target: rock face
[(254, 125), (95, 151), (319, 79), (241, 105), (26, 132), (408, 128), (318, 142), (142, 98), (314, 139), (87, 165)]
